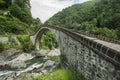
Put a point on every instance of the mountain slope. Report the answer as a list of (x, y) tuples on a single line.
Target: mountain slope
[(16, 18), (100, 17)]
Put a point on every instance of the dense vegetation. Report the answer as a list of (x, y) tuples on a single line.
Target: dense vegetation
[(15, 18), (100, 17), (26, 44), (61, 74), (48, 41)]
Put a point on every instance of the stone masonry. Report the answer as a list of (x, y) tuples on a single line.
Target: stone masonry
[(83, 59)]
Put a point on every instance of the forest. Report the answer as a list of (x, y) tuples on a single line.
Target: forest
[(16, 18), (99, 17)]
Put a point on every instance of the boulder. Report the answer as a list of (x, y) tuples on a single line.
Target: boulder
[(41, 53), (16, 64), (10, 54), (44, 72), (24, 57), (55, 52), (49, 63)]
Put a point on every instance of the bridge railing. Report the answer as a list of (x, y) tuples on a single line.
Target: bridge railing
[(106, 52)]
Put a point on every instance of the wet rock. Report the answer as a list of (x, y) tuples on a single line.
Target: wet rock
[(40, 53), (9, 54), (23, 57), (34, 75), (55, 52), (8, 76), (30, 68), (49, 63), (44, 72)]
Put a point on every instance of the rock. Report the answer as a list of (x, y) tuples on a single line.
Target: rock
[(55, 52), (24, 76), (9, 54), (8, 76), (11, 40), (30, 68), (52, 68), (18, 61), (16, 64), (41, 53), (44, 72), (49, 63), (4, 39), (1, 62), (34, 75), (23, 57)]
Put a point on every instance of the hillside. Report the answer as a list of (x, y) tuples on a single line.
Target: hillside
[(16, 18), (100, 17)]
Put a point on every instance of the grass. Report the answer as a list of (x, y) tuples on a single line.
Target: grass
[(61, 74)]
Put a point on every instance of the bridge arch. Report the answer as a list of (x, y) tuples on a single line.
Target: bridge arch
[(39, 34), (94, 60)]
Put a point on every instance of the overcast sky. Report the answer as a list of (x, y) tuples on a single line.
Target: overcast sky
[(44, 9)]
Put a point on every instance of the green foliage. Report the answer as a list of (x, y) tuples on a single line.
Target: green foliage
[(11, 25), (22, 3), (1, 47), (63, 57), (26, 43), (23, 14), (16, 18), (96, 17), (36, 24), (5, 46), (48, 41), (4, 3), (60, 74)]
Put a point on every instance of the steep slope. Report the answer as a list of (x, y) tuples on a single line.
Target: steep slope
[(100, 17), (15, 17)]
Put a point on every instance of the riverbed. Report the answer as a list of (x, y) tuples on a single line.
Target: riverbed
[(35, 63)]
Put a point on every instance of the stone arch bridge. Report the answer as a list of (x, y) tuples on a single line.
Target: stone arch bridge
[(94, 58)]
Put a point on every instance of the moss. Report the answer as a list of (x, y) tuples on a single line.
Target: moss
[(63, 57)]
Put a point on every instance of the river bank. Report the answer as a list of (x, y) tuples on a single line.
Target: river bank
[(14, 64)]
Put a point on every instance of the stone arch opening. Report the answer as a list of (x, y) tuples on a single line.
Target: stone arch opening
[(45, 38)]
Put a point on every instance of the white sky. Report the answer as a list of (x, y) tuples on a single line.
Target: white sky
[(44, 9)]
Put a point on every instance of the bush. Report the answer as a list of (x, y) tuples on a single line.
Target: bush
[(5, 3), (12, 26), (25, 42), (48, 41), (23, 14)]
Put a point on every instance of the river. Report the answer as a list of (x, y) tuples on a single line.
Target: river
[(31, 64)]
